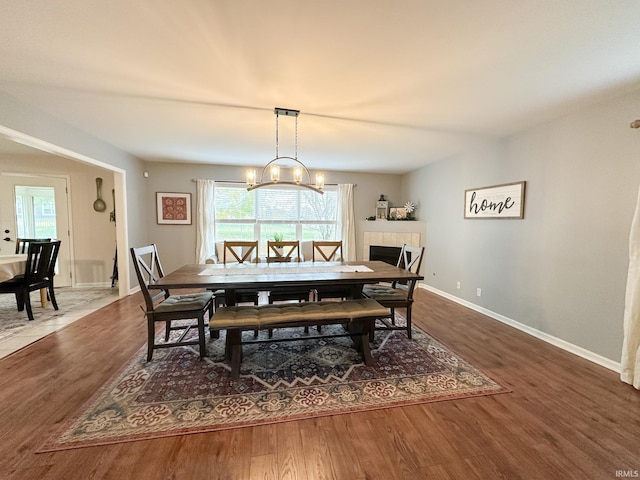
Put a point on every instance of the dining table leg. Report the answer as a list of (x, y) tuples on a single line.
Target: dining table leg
[(230, 297)]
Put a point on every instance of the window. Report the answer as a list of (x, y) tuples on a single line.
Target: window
[(295, 213), (35, 212)]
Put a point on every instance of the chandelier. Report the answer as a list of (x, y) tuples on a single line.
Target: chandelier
[(299, 171)]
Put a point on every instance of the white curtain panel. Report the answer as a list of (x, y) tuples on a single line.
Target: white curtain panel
[(630, 372), (346, 221), (205, 221)]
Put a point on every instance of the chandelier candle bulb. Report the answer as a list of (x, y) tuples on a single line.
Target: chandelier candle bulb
[(319, 181), (251, 176), (297, 174), (275, 173)]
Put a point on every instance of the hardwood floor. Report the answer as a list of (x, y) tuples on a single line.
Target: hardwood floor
[(566, 418)]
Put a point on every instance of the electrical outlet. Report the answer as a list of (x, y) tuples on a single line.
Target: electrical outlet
[(479, 292), (458, 285)]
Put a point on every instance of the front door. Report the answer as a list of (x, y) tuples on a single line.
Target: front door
[(35, 206)]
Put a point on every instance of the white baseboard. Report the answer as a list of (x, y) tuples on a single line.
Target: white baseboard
[(558, 342), (93, 285)]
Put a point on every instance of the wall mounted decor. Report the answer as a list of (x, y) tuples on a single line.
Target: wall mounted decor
[(99, 205), (173, 208), (504, 201)]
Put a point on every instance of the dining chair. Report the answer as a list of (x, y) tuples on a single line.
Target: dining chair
[(240, 251), (38, 274), (329, 251), (165, 307), (22, 244), (284, 251), (397, 294)]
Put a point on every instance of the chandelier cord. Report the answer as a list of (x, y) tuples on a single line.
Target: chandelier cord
[(277, 116)]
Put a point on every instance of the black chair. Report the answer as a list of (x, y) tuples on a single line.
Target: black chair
[(167, 308), (397, 295), (22, 244), (39, 273)]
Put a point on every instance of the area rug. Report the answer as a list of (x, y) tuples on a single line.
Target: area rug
[(13, 322), (177, 394)]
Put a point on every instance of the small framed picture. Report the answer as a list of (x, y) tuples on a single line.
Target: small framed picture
[(173, 208), (398, 213)]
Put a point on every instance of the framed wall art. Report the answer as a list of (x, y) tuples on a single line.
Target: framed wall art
[(173, 208), (498, 201)]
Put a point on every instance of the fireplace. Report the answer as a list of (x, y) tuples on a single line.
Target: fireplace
[(389, 234), (388, 255)]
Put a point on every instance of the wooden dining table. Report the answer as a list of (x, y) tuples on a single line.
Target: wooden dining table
[(14, 265), (264, 276)]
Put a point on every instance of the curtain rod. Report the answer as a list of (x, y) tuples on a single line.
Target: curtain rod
[(235, 181)]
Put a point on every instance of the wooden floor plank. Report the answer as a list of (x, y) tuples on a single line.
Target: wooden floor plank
[(564, 418)]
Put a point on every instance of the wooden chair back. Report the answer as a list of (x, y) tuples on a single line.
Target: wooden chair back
[(146, 263), (22, 244), (240, 251), (41, 262), (411, 258), (326, 251), (285, 251)]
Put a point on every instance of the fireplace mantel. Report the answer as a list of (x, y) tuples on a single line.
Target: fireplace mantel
[(391, 233)]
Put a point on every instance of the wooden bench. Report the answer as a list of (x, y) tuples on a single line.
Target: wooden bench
[(358, 315)]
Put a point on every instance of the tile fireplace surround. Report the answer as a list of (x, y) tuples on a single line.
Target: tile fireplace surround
[(391, 234)]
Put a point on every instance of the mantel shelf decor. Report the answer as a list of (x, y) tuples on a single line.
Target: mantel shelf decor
[(406, 213)]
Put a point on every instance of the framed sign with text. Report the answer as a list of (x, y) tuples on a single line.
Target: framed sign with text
[(498, 201), (173, 208)]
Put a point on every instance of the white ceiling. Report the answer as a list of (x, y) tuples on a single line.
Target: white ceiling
[(382, 85)]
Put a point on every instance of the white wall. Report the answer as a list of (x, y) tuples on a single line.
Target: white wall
[(562, 270)]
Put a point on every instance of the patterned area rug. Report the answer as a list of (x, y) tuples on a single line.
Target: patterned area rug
[(177, 394), (13, 322)]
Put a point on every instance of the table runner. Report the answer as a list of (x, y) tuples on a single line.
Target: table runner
[(279, 268)]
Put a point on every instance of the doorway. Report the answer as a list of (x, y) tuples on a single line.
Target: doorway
[(37, 206)]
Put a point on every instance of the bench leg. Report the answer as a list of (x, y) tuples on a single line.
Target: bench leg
[(201, 336), (234, 350), (365, 348), (360, 330)]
